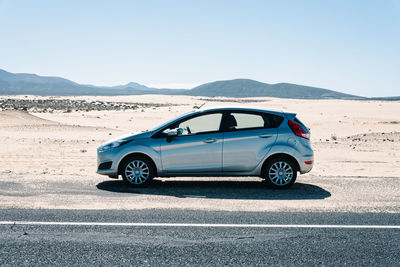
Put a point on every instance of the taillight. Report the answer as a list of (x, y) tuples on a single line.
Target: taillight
[(299, 130)]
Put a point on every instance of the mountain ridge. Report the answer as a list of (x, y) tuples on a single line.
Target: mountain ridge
[(249, 88), (24, 83)]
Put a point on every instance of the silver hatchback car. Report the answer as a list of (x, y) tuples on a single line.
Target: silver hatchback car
[(228, 141)]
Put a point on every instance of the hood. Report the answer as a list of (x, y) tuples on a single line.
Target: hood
[(130, 136)]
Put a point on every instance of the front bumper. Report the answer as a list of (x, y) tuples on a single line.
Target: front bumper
[(103, 163), (108, 172)]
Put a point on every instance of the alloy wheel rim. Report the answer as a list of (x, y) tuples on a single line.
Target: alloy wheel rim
[(137, 172), (280, 173)]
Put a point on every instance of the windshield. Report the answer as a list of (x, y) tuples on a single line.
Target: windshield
[(172, 120)]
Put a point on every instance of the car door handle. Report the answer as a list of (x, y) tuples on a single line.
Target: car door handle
[(210, 140), (265, 135)]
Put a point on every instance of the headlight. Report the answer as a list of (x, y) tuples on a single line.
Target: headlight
[(113, 145)]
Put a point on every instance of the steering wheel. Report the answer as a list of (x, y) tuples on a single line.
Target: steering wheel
[(188, 130)]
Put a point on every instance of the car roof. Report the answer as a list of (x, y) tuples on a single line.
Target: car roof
[(243, 108)]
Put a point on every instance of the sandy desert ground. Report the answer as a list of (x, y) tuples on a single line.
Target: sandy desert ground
[(54, 146)]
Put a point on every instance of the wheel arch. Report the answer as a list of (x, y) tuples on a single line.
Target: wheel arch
[(136, 154), (279, 155)]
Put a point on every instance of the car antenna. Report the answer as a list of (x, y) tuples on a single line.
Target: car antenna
[(199, 107), (205, 102)]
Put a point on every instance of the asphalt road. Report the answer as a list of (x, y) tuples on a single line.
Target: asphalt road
[(323, 194), (150, 245)]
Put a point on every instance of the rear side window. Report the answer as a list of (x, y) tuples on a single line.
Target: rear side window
[(272, 121), (241, 121), (246, 121)]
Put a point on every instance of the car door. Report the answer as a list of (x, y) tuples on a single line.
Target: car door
[(198, 149), (247, 139)]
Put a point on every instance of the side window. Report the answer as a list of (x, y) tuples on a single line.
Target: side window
[(272, 121), (201, 124), (239, 121), (247, 121)]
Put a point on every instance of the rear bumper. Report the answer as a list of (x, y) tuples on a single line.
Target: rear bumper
[(305, 165)]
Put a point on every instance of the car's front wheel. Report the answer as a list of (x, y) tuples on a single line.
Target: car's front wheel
[(137, 171), (280, 173)]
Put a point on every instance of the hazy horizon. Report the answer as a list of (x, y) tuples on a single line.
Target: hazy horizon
[(343, 46)]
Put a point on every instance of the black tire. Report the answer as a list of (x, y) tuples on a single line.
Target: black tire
[(280, 173), (137, 171)]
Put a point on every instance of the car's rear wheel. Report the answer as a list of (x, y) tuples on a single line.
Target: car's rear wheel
[(137, 171), (280, 173)]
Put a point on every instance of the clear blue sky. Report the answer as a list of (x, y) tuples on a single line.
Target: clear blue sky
[(349, 46)]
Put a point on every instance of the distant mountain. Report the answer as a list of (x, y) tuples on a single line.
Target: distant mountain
[(15, 78), (24, 84), (133, 85), (251, 88)]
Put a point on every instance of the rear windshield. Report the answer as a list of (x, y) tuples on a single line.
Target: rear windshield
[(299, 122)]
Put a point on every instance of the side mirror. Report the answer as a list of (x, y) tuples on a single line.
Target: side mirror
[(174, 132)]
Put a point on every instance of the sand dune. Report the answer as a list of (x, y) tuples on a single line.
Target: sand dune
[(21, 118), (35, 146)]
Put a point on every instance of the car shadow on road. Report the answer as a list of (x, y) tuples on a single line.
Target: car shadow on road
[(219, 190)]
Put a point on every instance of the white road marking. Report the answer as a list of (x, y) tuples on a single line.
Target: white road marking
[(205, 225)]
